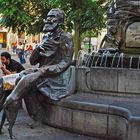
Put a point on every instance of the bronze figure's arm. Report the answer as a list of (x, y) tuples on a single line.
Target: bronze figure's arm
[(66, 59)]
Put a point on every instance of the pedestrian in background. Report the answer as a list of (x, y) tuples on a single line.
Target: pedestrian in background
[(21, 53)]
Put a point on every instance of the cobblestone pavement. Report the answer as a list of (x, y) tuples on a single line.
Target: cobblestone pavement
[(22, 130)]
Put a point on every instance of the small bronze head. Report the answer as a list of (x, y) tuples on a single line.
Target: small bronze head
[(55, 18)]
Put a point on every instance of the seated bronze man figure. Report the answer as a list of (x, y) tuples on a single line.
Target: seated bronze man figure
[(54, 56)]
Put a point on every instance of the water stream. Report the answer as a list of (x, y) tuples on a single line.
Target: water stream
[(106, 59)]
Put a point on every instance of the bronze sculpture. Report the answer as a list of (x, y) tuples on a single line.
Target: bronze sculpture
[(121, 15), (54, 56)]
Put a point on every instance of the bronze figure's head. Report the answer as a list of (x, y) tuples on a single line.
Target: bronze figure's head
[(55, 18)]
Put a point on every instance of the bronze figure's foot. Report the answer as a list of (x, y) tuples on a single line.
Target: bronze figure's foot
[(1, 132), (11, 135), (35, 124)]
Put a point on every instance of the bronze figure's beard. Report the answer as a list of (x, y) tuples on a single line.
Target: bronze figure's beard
[(50, 27)]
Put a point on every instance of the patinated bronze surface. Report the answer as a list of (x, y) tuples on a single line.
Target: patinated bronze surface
[(121, 14), (54, 56)]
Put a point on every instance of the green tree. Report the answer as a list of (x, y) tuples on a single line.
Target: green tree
[(28, 15), (23, 15)]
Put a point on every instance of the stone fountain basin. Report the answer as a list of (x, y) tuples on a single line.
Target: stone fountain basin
[(105, 104), (110, 119), (114, 81)]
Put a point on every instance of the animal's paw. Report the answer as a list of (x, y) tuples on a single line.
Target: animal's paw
[(35, 124), (1, 132), (11, 135)]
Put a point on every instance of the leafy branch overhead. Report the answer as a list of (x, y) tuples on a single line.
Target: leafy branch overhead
[(21, 15), (82, 16)]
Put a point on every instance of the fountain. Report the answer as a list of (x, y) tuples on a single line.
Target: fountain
[(106, 84), (110, 81)]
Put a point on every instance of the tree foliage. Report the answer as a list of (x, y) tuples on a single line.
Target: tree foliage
[(27, 15), (23, 15)]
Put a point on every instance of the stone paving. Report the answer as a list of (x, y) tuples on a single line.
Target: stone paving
[(22, 131)]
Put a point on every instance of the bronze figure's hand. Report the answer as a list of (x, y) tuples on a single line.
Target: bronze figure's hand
[(40, 48), (51, 43)]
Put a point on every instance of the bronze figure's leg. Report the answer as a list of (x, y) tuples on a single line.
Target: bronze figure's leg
[(11, 114), (2, 121), (12, 103)]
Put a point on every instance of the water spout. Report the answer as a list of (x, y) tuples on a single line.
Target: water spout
[(113, 59), (90, 57), (87, 58), (106, 58), (102, 57), (79, 58), (120, 58), (92, 63), (97, 60)]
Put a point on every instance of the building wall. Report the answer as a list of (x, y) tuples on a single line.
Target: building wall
[(3, 37)]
